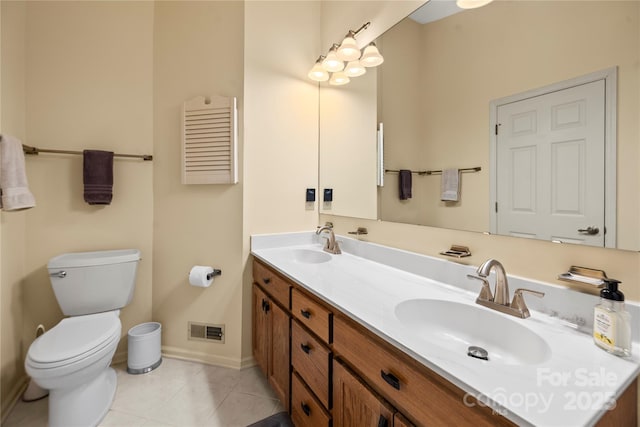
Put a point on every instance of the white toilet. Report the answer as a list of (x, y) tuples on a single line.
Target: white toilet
[(72, 359)]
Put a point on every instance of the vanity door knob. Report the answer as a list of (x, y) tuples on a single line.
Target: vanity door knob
[(306, 314), (266, 280), (383, 422), (306, 348), (391, 379)]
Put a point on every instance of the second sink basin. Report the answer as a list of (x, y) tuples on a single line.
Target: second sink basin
[(308, 256), (456, 326)]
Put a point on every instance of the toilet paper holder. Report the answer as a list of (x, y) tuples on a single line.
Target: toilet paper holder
[(214, 273)]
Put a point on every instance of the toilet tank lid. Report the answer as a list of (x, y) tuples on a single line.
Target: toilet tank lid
[(87, 259)]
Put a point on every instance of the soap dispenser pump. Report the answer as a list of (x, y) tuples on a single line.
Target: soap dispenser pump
[(611, 322)]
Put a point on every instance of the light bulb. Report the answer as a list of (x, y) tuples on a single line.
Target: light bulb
[(354, 69), (332, 63), (472, 4), (338, 79), (348, 50), (318, 73), (371, 56)]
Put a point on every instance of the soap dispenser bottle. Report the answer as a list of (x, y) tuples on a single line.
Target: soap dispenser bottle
[(611, 322)]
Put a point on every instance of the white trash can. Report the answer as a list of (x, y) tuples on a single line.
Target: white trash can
[(144, 348)]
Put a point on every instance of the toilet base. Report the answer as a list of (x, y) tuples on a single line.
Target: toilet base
[(85, 405)]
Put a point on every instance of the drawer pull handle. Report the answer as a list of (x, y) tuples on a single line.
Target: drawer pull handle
[(305, 408), (265, 306), (305, 348), (266, 280), (306, 314), (383, 422), (391, 379)]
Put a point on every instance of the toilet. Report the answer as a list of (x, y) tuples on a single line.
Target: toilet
[(72, 359)]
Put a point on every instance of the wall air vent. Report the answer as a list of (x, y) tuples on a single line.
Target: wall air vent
[(209, 147), (205, 332)]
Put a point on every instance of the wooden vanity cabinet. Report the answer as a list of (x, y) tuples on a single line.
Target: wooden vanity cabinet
[(330, 371), (271, 329)]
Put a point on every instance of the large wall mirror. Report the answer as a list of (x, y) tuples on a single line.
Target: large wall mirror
[(439, 92)]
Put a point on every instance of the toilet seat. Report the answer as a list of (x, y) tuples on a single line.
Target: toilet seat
[(74, 339)]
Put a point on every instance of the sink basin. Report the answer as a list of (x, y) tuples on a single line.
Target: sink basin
[(456, 326), (308, 256)]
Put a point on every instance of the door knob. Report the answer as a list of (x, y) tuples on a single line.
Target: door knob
[(592, 230)]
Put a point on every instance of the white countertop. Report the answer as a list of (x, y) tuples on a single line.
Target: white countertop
[(570, 388)]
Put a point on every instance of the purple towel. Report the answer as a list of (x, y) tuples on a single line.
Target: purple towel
[(404, 178), (97, 176)]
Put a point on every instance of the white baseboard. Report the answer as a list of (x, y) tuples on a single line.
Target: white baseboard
[(10, 399), (207, 358)]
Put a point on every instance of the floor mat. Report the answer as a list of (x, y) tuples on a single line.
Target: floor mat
[(281, 419)]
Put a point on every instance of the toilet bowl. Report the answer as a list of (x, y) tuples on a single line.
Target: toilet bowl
[(72, 359)]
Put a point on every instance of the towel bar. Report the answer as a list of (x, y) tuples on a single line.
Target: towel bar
[(435, 172), (35, 151)]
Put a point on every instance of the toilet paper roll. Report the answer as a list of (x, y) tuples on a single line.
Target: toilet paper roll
[(198, 276)]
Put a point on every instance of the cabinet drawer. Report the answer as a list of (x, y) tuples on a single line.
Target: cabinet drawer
[(273, 284), (312, 360), (422, 395), (306, 410), (311, 314)]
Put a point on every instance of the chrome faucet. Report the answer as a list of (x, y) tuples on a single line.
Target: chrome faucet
[(500, 302), (332, 245)]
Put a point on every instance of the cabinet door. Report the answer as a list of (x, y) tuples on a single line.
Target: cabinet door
[(355, 405), (260, 331), (279, 363)]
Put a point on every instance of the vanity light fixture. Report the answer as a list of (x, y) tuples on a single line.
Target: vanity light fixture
[(354, 69), (339, 79), (347, 52), (318, 73), (472, 4), (332, 63), (371, 56)]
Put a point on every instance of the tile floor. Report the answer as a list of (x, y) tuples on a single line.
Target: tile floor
[(176, 394)]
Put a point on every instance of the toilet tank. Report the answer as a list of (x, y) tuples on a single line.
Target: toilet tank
[(93, 282)]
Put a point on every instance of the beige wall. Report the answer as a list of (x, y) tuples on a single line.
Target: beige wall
[(89, 85), (13, 224), (281, 125), (62, 91), (198, 51)]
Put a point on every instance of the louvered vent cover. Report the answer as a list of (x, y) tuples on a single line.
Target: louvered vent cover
[(209, 141), (206, 332)]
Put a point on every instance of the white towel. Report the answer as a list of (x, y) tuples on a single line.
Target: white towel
[(450, 185), (13, 177)]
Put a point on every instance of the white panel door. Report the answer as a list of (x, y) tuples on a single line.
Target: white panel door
[(550, 166)]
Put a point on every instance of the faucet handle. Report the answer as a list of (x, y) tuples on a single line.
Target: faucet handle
[(485, 293), (518, 300)]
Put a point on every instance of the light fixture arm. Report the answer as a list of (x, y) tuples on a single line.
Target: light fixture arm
[(359, 30)]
